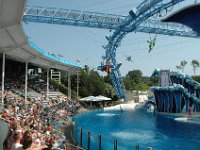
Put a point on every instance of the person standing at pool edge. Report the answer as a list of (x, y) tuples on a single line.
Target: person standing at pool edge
[(189, 112)]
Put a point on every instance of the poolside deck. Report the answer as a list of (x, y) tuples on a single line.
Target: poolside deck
[(194, 114)]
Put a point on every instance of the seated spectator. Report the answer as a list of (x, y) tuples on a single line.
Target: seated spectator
[(26, 133), (26, 143), (16, 140), (5, 114), (13, 124), (48, 128)]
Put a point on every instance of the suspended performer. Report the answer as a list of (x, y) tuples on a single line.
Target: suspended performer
[(152, 43)]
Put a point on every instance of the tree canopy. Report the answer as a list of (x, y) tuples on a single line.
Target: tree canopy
[(135, 80), (195, 65), (92, 83)]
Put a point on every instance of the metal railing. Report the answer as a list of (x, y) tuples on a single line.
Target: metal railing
[(90, 141)]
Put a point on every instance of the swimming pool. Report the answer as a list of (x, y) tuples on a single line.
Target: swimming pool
[(137, 127)]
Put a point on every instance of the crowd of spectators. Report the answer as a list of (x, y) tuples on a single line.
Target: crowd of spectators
[(40, 86), (13, 84), (31, 125), (17, 82)]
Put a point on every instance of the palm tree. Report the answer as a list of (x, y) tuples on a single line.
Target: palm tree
[(183, 63), (195, 64), (86, 68)]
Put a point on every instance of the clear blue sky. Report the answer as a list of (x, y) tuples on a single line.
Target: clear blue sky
[(85, 44)]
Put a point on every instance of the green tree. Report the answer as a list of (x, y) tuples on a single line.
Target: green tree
[(91, 83), (109, 90), (136, 75), (195, 65), (154, 81), (108, 80), (96, 84), (84, 84), (132, 79), (143, 87), (196, 78), (182, 65)]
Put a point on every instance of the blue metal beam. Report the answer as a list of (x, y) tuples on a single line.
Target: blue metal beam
[(102, 21), (165, 28), (72, 17)]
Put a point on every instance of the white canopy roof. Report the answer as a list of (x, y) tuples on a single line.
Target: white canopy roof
[(95, 99), (15, 44), (103, 98)]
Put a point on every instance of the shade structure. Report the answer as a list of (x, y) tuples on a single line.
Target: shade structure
[(17, 46), (95, 98), (189, 16), (103, 98)]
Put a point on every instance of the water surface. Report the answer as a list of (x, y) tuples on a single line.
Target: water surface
[(138, 127)]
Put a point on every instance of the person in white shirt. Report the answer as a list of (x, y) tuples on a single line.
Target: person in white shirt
[(16, 140)]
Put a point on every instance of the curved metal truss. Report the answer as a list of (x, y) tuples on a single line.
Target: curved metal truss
[(145, 10)]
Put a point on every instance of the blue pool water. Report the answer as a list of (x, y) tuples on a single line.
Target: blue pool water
[(137, 127)]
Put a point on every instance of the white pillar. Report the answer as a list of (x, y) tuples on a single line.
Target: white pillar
[(47, 94), (26, 81), (77, 84), (3, 77), (69, 85)]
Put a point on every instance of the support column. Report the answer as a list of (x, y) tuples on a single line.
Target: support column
[(69, 85), (47, 94), (26, 81), (77, 84), (3, 77)]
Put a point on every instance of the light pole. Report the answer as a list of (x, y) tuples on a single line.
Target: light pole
[(77, 83)]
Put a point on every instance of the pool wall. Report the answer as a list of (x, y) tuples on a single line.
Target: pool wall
[(94, 140), (184, 93)]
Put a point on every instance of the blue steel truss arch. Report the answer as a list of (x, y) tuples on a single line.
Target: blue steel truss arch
[(136, 21), (145, 10)]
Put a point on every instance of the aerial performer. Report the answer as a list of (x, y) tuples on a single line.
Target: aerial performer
[(152, 43), (106, 67)]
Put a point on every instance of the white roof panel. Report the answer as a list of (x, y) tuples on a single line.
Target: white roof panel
[(15, 32), (15, 44), (5, 41)]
